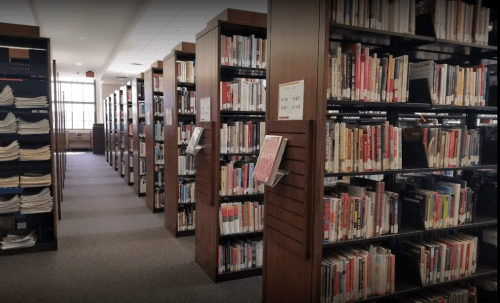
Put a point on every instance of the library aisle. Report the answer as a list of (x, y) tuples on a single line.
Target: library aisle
[(113, 249)]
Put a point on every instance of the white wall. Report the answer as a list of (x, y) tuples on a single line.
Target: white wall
[(103, 90)]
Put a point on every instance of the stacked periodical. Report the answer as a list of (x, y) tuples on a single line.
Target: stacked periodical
[(6, 96), (37, 203), (31, 102), (9, 152), (33, 128), (7, 182), (35, 180), (10, 206), (9, 124), (36, 154), (16, 241)]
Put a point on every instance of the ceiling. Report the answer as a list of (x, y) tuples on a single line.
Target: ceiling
[(108, 36)]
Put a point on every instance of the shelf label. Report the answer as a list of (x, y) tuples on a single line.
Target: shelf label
[(148, 117), (291, 97), (169, 116), (205, 109)]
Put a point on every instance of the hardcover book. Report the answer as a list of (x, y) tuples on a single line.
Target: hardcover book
[(269, 159)]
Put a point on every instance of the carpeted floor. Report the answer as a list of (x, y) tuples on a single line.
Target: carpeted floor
[(113, 249)]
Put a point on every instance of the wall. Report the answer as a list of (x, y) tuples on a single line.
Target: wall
[(102, 91)]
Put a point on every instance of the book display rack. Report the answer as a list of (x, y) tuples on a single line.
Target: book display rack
[(180, 116), (139, 147), (128, 133), (154, 138), (231, 30), (25, 70), (296, 257)]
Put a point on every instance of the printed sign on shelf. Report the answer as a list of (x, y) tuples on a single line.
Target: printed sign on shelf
[(205, 109), (291, 97), (169, 116)]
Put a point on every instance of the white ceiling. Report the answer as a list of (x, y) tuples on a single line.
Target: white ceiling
[(107, 36)]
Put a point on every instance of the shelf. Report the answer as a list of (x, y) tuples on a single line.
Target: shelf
[(186, 84), (479, 221), (158, 210), (185, 233), (242, 196), (236, 113), (410, 170), (39, 247), (25, 165), (239, 154), (26, 138), (20, 112), (186, 116), (11, 190), (481, 271), (186, 176), (241, 274), (251, 234), (186, 204), (242, 72), (158, 93)]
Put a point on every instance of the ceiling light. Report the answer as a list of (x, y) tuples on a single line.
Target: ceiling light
[(82, 38), (136, 63), (78, 63)]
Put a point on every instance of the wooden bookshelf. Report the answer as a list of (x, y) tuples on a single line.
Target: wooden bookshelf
[(116, 129), (33, 80), (137, 86), (120, 111), (293, 245), (182, 52), (128, 120), (106, 126), (109, 133), (149, 95), (209, 75)]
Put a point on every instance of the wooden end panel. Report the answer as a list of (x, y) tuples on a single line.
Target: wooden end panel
[(19, 30)]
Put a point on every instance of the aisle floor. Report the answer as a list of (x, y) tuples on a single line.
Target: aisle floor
[(113, 249)]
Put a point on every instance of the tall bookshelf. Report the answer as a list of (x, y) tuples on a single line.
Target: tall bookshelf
[(106, 129), (128, 150), (209, 75), (294, 208), (121, 118), (25, 66), (173, 146), (115, 130), (138, 120), (153, 117)]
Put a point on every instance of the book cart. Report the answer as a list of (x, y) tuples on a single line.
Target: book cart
[(294, 208), (209, 160), (138, 135), (128, 152), (173, 146), (153, 116), (25, 66)]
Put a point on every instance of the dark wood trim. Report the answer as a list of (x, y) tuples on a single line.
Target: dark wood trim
[(28, 31)]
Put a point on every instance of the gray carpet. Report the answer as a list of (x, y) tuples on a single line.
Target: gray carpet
[(113, 249)]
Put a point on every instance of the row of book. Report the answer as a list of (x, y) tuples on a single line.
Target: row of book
[(453, 84), (14, 152), (186, 193), (236, 179), (7, 99), (354, 147), (186, 218), (142, 129), (446, 293), (459, 21), (186, 101), (240, 254), (243, 95), (241, 137), (158, 106), (243, 51), (442, 259), (158, 176), (353, 273), (159, 153), (158, 83), (159, 131), (159, 198), (395, 16), (186, 71), (184, 132), (186, 165), (142, 166), (142, 148), (360, 210), (356, 76), (240, 217), (142, 109), (447, 147)]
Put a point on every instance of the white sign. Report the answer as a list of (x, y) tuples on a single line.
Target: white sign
[(291, 101), (169, 116), (205, 109), (148, 117)]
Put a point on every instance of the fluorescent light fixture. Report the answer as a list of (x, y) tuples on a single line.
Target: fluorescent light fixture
[(79, 63)]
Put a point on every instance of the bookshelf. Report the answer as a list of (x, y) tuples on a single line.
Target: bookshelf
[(120, 110), (209, 75), (182, 52), (293, 248), (115, 130), (106, 128), (26, 67), (128, 149), (137, 87), (59, 165), (153, 117)]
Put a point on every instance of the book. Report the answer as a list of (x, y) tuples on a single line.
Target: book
[(269, 159), (193, 142)]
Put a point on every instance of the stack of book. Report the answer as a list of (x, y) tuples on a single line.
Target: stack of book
[(159, 198), (158, 106), (35, 180), (240, 254), (238, 180), (9, 152), (355, 273), (19, 241), (9, 124), (184, 132), (447, 293), (33, 128), (354, 147), (354, 75), (186, 218), (389, 15), (243, 95), (159, 131), (31, 102), (243, 51), (6, 96), (7, 182), (37, 203), (159, 153), (186, 165), (186, 193), (186, 71), (186, 101), (453, 84), (34, 154), (442, 259), (159, 182), (240, 217), (158, 83), (360, 210), (10, 206), (241, 137)]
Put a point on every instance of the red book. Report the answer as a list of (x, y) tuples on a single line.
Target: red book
[(223, 95), (245, 179), (250, 138), (373, 146), (226, 49), (467, 255), (426, 137), (451, 150), (243, 218), (326, 219), (350, 212), (269, 159), (365, 59), (379, 195)]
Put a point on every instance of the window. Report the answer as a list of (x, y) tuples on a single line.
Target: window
[(79, 104)]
